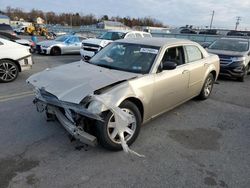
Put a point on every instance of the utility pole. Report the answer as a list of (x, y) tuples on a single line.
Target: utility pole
[(238, 19), (212, 19)]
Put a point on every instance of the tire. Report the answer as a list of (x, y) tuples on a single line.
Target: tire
[(246, 71), (8, 71), (55, 51), (207, 87), (105, 129)]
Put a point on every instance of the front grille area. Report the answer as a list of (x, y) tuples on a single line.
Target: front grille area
[(38, 48), (90, 47)]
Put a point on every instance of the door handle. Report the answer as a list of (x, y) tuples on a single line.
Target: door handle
[(185, 71)]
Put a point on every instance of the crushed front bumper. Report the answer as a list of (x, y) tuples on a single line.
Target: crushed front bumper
[(53, 106)]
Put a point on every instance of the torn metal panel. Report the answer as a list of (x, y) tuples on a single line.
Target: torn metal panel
[(122, 119)]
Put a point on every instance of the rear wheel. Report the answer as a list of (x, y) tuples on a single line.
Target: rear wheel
[(108, 133), (8, 71), (207, 87), (55, 51)]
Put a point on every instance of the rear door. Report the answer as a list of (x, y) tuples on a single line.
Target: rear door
[(171, 86), (196, 64)]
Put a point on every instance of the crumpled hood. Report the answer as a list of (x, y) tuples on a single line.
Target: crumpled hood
[(49, 42), (224, 52), (74, 81), (96, 41)]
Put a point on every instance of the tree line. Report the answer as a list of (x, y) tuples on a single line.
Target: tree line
[(76, 19)]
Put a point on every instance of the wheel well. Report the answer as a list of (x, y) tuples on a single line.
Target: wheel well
[(213, 73), (16, 62), (57, 48), (138, 103)]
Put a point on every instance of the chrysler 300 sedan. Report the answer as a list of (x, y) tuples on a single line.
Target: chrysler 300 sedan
[(142, 77)]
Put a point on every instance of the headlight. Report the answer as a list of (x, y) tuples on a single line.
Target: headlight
[(96, 107), (238, 59)]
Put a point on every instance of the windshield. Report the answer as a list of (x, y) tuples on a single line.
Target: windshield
[(62, 38), (230, 45), (134, 58), (112, 36)]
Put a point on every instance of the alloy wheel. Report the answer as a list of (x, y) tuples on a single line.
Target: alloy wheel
[(128, 131)]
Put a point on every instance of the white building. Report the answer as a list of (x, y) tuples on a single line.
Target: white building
[(112, 25), (4, 19)]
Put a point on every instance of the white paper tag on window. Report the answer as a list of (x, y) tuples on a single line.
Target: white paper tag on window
[(149, 50)]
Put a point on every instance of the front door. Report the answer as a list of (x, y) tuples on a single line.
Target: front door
[(171, 86)]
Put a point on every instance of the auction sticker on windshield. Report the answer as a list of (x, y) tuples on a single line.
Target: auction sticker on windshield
[(149, 50)]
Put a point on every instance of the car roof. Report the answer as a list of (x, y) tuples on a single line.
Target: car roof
[(155, 41)]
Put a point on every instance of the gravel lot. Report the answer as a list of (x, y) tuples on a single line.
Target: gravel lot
[(199, 144)]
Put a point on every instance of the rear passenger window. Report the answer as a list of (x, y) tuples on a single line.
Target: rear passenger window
[(138, 35), (146, 35), (193, 53), (130, 35)]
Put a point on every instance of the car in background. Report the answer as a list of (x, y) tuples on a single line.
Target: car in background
[(141, 78), (91, 46), (188, 31), (209, 32), (65, 44), (234, 54), (7, 29), (14, 58), (18, 40)]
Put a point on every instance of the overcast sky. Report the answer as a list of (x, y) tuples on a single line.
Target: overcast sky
[(171, 12)]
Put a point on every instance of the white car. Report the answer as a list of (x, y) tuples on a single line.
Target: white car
[(91, 46), (14, 58)]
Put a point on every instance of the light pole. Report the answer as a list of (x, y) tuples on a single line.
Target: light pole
[(212, 19)]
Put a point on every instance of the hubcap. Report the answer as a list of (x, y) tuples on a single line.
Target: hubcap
[(7, 71), (128, 131), (208, 86)]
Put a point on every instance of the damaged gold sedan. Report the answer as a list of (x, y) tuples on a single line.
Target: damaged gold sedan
[(124, 85)]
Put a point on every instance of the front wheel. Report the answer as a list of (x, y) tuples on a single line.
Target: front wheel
[(207, 87), (107, 132), (55, 51), (8, 71)]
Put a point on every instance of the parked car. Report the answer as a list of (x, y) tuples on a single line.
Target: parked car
[(18, 40), (20, 30), (188, 31), (14, 58), (144, 77), (234, 54), (236, 33), (209, 32), (7, 29), (65, 44), (91, 46)]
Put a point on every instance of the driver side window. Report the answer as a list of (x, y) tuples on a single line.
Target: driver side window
[(174, 54)]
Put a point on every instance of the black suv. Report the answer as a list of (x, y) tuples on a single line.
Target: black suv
[(234, 54)]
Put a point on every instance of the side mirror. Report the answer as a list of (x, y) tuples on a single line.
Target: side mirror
[(169, 65), (248, 54)]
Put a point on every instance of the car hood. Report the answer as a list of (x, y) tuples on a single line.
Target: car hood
[(49, 42), (96, 41), (75, 81), (224, 52), (23, 41)]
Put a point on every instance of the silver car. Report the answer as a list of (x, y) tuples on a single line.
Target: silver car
[(65, 44), (143, 77)]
